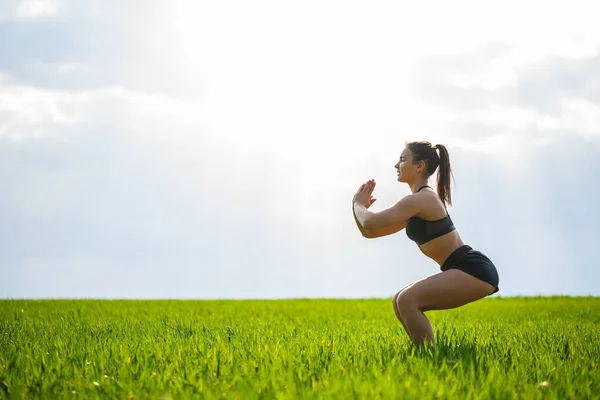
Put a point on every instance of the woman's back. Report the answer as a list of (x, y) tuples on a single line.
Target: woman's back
[(432, 228)]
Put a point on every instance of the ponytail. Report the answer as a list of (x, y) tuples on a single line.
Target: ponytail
[(425, 151), (443, 175)]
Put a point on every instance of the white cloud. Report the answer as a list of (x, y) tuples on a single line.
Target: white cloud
[(580, 116), (27, 110), (66, 68), (37, 8), (486, 102), (233, 138), (50, 68), (28, 9), (270, 84)]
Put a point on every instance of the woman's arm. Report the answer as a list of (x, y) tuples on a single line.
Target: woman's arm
[(379, 232), (376, 224), (365, 232), (396, 215), (386, 230)]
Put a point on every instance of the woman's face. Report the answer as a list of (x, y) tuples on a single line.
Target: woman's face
[(407, 171)]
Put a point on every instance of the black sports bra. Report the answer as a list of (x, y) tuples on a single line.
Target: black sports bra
[(422, 231)]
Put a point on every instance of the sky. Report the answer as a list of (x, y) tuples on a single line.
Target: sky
[(192, 149)]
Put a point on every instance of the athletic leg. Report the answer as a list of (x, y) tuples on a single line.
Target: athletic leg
[(445, 290), (397, 311)]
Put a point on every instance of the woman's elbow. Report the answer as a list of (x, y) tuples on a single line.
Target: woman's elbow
[(367, 233)]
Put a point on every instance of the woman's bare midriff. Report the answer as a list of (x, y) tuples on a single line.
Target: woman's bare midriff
[(439, 249)]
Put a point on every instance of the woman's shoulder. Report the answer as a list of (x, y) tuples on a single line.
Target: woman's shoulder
[(430, 206)]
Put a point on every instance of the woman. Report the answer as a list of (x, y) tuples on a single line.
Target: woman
[(467, 275)]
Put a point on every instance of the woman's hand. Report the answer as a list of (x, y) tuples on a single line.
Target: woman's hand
[(363, 195)]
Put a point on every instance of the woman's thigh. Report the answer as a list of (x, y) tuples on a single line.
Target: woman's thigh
[(448, 289)]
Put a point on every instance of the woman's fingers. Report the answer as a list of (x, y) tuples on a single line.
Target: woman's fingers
[(360, 189), (371, 185), (368, 186)]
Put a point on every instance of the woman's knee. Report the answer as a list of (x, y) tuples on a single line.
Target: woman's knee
[(405, 301), (395, 299)]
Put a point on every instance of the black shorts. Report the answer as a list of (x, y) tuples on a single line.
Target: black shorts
[(473, 263)]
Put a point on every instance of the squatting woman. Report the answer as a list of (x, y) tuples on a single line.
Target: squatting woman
[(467, 275)]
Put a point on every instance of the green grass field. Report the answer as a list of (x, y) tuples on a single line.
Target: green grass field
[(497, 348)]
